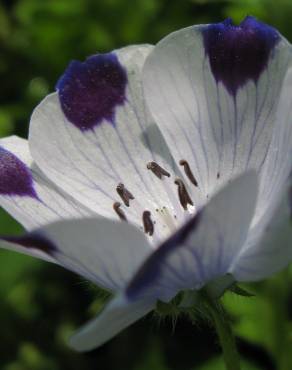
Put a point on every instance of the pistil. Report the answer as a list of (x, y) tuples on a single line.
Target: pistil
[(167, 218)]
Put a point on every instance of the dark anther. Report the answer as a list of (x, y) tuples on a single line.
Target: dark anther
[(188, 171), (218, 175), (119, 211), (148, 223), (183, 195), (125, 195), (157, 170)]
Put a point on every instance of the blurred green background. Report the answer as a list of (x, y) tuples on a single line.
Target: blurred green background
[(41, 304)]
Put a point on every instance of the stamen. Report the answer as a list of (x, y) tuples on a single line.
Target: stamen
[(218, 175), (188, 171), (119, 211), (183, 195), (148, 223), (157, 170), (124, 193)]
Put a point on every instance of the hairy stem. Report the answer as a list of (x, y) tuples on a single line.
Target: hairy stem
[(225, 335)]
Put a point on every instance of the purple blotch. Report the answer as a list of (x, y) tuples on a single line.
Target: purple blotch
[(89, 92), (33, 240), (238, 53), (150, 271), (15, 176)]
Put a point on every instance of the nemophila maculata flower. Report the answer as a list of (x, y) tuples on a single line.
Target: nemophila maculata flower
[(155, 170)]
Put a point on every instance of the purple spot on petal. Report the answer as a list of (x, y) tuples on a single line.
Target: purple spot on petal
[(33, 240), (15, 176), (238, 53), (151, 269), (89, 92)]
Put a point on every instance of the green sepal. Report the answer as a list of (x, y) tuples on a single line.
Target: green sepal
[(170, 308), (240, 291)]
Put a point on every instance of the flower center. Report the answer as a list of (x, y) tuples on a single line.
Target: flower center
[(166, 218)]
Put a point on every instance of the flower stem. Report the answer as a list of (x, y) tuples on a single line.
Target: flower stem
[(225, 335)]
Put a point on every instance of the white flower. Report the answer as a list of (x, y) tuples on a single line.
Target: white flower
[(189, 141)]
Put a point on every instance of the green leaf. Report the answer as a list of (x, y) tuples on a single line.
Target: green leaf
[(218, 364)]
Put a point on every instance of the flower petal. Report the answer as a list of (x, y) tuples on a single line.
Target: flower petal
[(117, 315), (270, 251), (26, 193), (104, 251), (12, 244), (96, 133), (278, 164), (268, 247), (214, 91), (203, 248)]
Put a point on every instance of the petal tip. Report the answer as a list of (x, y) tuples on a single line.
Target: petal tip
[(34, 240), (90, 91), (77, 344), (238, 53), (15, 177)]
